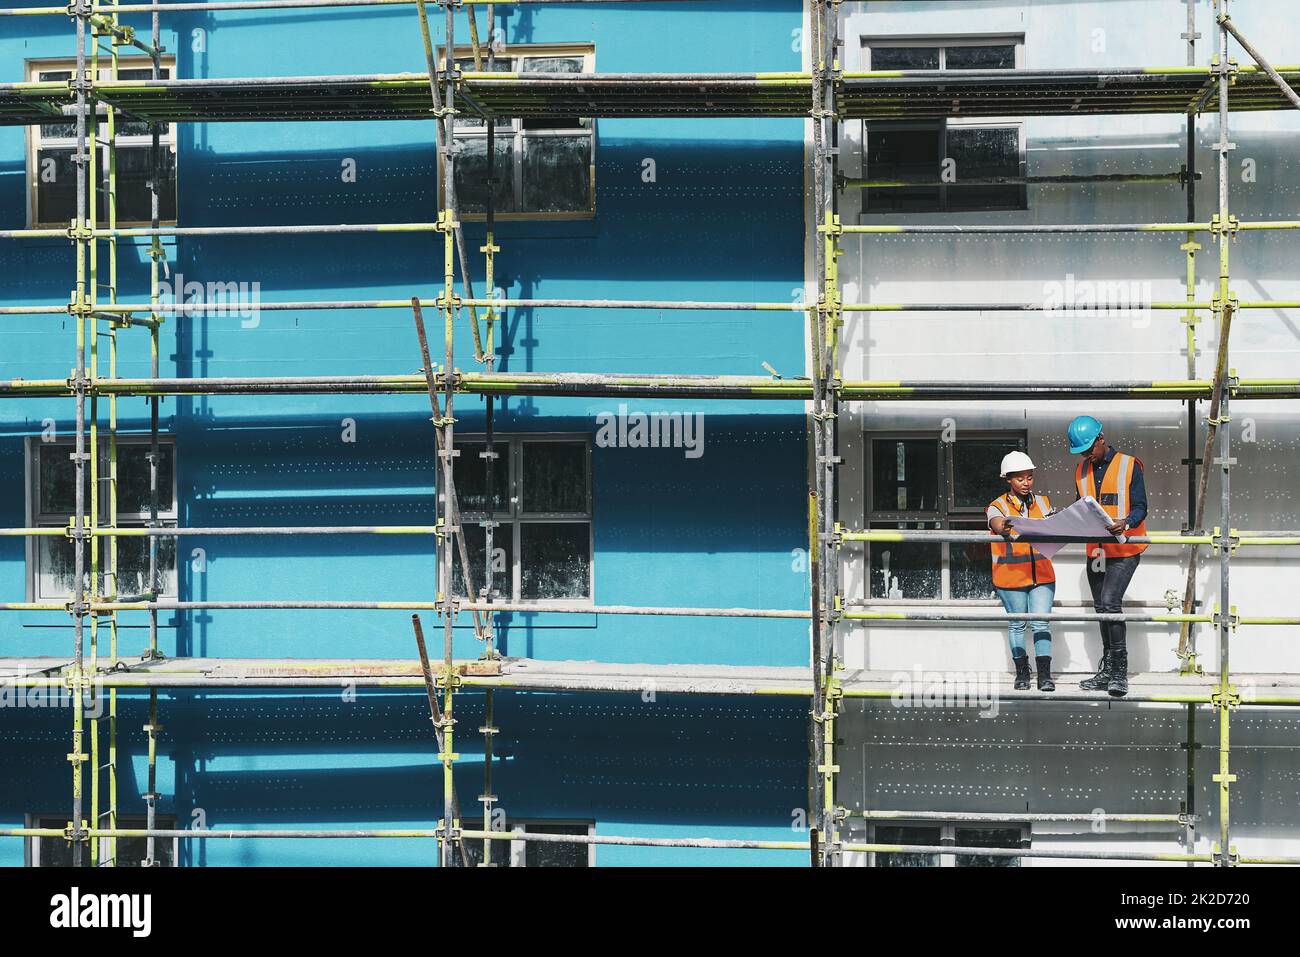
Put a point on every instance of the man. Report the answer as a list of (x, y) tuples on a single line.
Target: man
[(1115, 480)]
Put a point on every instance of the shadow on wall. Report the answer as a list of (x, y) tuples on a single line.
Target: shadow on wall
[(314, 760)]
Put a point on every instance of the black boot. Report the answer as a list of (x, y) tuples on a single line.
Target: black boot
[(1101, 679), (1045, 682), (1022, 672), (1117, 681)]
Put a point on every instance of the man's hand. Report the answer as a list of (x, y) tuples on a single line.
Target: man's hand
[(1117, 528)]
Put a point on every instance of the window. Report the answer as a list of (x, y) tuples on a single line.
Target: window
[(542, 506), (925, 150), (544, 168), (950, 835), (52, 504), (56, 852), (52, 174), (539, 853), (917, 480)]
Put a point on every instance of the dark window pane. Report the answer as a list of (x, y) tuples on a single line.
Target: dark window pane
[(987, 837), (468, 119), (134, 174), (981, 58), (553, 853), (132, 851), (970, 568), (984, 152), (55, 567), (133, 477), (976, 464), (58, 479), (56, 557), (471, 477), (904, 58), (471, 173), (557, 173), (56, 186), (905, 569), (126, 126), (907, 154), (55, 851), (502, 559), (59, 128), (905, 475), (133, 566), (474, 848), (555, 560), (553, 64), (554, 477), (907, 834)]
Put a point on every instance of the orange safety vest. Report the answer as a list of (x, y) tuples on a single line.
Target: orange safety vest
[(1018, 564), (1114, 500)]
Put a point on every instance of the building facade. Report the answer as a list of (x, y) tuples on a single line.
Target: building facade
[(603, 720)]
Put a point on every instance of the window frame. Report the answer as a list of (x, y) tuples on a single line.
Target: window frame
[(519, 849), (948, 836), (942, 44), (31, 845), (37, 519), (36, 142), (516, 516), (515, 130), (942, 518)]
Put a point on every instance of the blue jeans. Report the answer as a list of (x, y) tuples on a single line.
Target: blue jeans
[(1020, 601)]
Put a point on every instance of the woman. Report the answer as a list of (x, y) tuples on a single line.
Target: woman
[(1024, 578)]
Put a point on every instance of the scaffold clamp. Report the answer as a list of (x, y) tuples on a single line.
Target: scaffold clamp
[(1225, 699), (1217, 619), (1231, 541)]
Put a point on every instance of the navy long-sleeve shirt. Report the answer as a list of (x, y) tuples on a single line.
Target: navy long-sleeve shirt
[(1137, 487)]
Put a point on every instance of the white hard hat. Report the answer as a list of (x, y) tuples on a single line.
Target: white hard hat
[(1015, 462)]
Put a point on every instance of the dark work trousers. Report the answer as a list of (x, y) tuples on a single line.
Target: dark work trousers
[(1108, 589)]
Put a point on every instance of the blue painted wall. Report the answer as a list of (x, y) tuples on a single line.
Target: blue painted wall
[(723, 221)]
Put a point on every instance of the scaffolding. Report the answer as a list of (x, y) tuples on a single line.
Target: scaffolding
[(826, 95)]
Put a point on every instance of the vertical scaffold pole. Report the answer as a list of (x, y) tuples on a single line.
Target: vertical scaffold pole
[(80, 309), (156, 257), (489, 249), (451, 826), (1225, 697), (816, 496), (111, 589), (1187, 631), (92, 331), (832, 318)]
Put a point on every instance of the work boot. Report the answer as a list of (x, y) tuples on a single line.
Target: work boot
[(1022, 672), (1117, 682), (1099, 681), (1045, 682)]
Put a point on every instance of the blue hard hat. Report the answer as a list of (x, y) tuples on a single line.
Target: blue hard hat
[(1083, 431)]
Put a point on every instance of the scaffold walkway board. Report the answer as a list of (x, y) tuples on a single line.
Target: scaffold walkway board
[(878, 95), (532, 674)]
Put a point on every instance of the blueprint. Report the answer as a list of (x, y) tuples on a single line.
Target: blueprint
[(1084, 519)]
